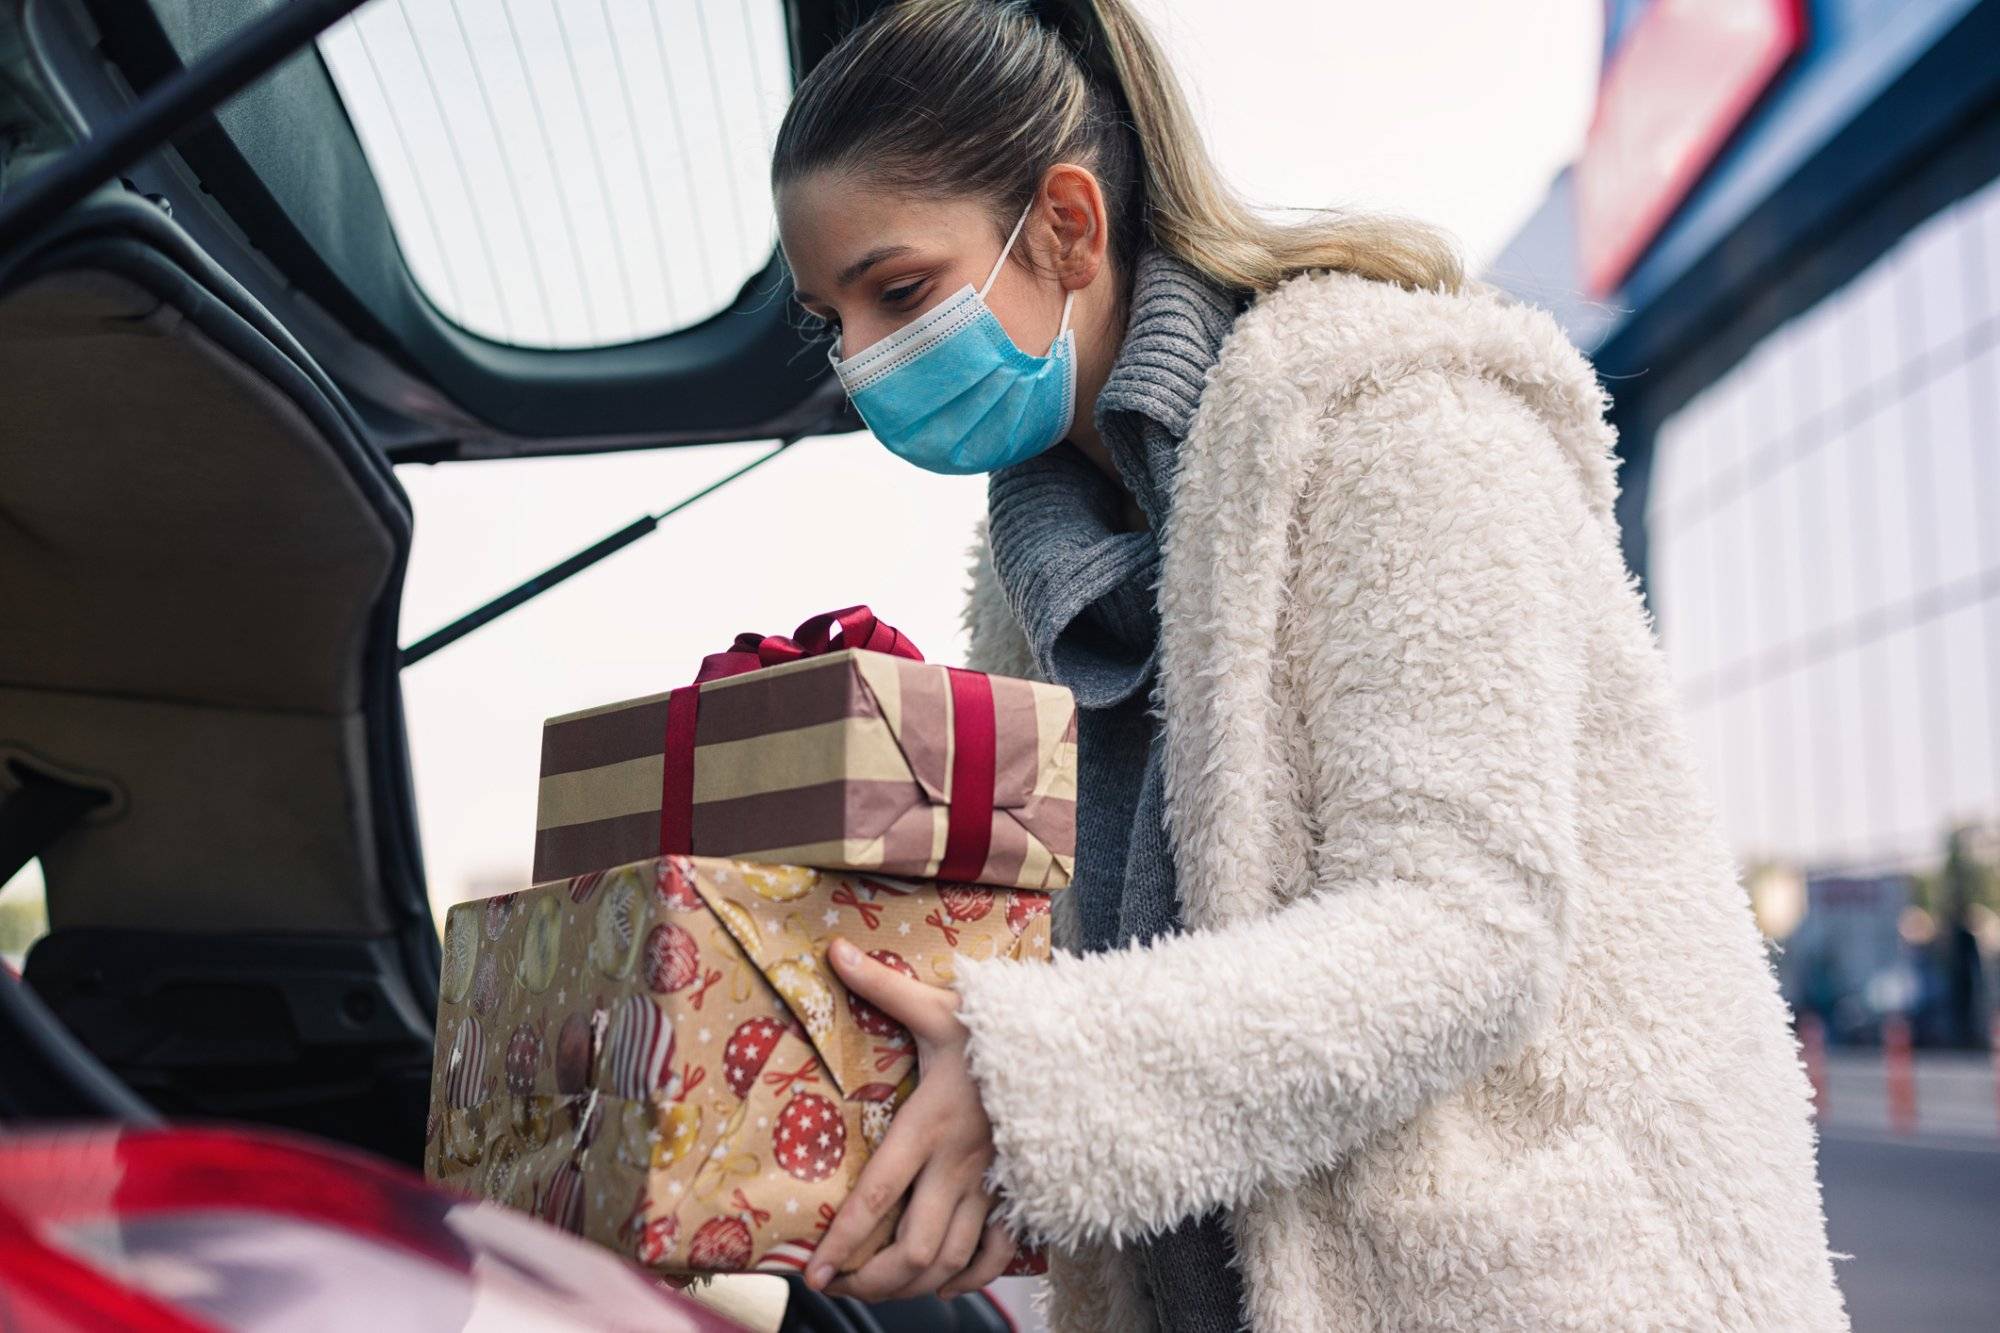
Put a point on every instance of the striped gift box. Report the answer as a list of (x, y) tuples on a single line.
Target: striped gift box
[(851, 760)]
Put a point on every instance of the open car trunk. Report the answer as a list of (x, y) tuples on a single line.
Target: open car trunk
[(206, 373), (207, 369), (200, 561)]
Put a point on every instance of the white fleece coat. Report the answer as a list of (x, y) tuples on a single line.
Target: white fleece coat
[(1471, 1028)]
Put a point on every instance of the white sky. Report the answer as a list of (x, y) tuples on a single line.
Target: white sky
[(1455, 111)]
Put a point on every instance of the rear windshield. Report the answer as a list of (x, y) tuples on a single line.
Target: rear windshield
[(570, 173)]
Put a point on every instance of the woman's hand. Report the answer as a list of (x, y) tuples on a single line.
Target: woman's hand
[(940, 1139)]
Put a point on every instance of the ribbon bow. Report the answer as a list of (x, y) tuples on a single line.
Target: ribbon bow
[(718, 1171), (783, 1081), (709, 977), (945, 928), (741, 1203), (858, 626), (968, 827), (871, 913)]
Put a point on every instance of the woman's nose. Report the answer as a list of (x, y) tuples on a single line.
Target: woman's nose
[(854, 341)]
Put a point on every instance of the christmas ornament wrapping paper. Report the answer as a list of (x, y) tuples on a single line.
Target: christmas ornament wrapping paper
[(850, 759), (659, 1057)]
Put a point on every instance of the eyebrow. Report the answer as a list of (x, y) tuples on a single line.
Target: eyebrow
[(859, 267)]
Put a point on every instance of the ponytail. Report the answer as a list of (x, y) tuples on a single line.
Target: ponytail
[(981, 97), (1195, 216)]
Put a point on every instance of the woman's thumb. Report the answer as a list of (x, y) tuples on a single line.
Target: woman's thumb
[(903, 998)]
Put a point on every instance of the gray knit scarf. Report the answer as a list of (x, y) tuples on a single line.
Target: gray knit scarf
[(1085, 590)]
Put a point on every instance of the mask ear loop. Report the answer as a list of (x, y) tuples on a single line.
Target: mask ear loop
[(1006, 249), (1069, 297)]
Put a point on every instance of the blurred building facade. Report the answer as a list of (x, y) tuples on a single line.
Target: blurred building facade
[(1781, 246)]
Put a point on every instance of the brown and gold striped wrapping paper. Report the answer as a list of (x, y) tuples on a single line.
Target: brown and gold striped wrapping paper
[(841, 761)]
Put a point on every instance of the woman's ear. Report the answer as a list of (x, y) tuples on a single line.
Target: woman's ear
[(1078, 234)]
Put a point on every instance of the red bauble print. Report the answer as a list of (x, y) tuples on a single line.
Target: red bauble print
[(561, 1203), (656, 1240), (965, 902), (866, 1016), (524, 1059), (1025, 907), (573, 1055), (811, 1137), (465, 1068), (672, 959), (638, 1050), (721, 1244), (749, 1047), (673, 880), (497, 908)]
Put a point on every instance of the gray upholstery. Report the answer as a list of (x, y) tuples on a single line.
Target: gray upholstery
[(186, 576)]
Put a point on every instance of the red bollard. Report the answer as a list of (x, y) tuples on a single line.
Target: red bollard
[(1900, 1075), (1812, 1045)]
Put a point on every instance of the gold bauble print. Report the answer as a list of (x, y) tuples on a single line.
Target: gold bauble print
[(461, 951), (540, 944), (806, 991), (621, 911), (775, 883), (680, 1127)]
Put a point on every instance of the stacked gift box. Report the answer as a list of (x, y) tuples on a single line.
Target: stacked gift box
[(649, 1047)]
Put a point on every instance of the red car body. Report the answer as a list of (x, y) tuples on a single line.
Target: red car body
[(177, 1230)]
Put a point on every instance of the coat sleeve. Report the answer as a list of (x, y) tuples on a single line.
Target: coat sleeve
[(1436, 669)]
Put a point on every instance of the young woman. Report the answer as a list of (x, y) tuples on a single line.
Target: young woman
[(1405, 982)]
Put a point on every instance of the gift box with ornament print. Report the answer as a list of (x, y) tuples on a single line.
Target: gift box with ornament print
[(659, 1057)]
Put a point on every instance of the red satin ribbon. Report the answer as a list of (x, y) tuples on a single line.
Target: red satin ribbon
[(858, 629), (969, 812)]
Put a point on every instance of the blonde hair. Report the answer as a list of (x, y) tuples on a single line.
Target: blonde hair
[(983, 96)]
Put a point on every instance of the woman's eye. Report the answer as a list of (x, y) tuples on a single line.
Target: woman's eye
[(901, 296)]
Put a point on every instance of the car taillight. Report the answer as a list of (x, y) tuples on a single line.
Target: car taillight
[(88, 1174), (43, 1288), (166, 1231)]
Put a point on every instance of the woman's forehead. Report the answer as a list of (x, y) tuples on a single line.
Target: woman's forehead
[(828, 224)]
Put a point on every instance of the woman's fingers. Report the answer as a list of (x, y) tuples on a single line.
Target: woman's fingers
[(920, 1237), (940, 1138), (926, 1010), (996, 1251), (961, 1243), (881, 1183)]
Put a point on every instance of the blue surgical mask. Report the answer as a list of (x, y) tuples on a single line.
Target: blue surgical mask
[(951, 392)]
